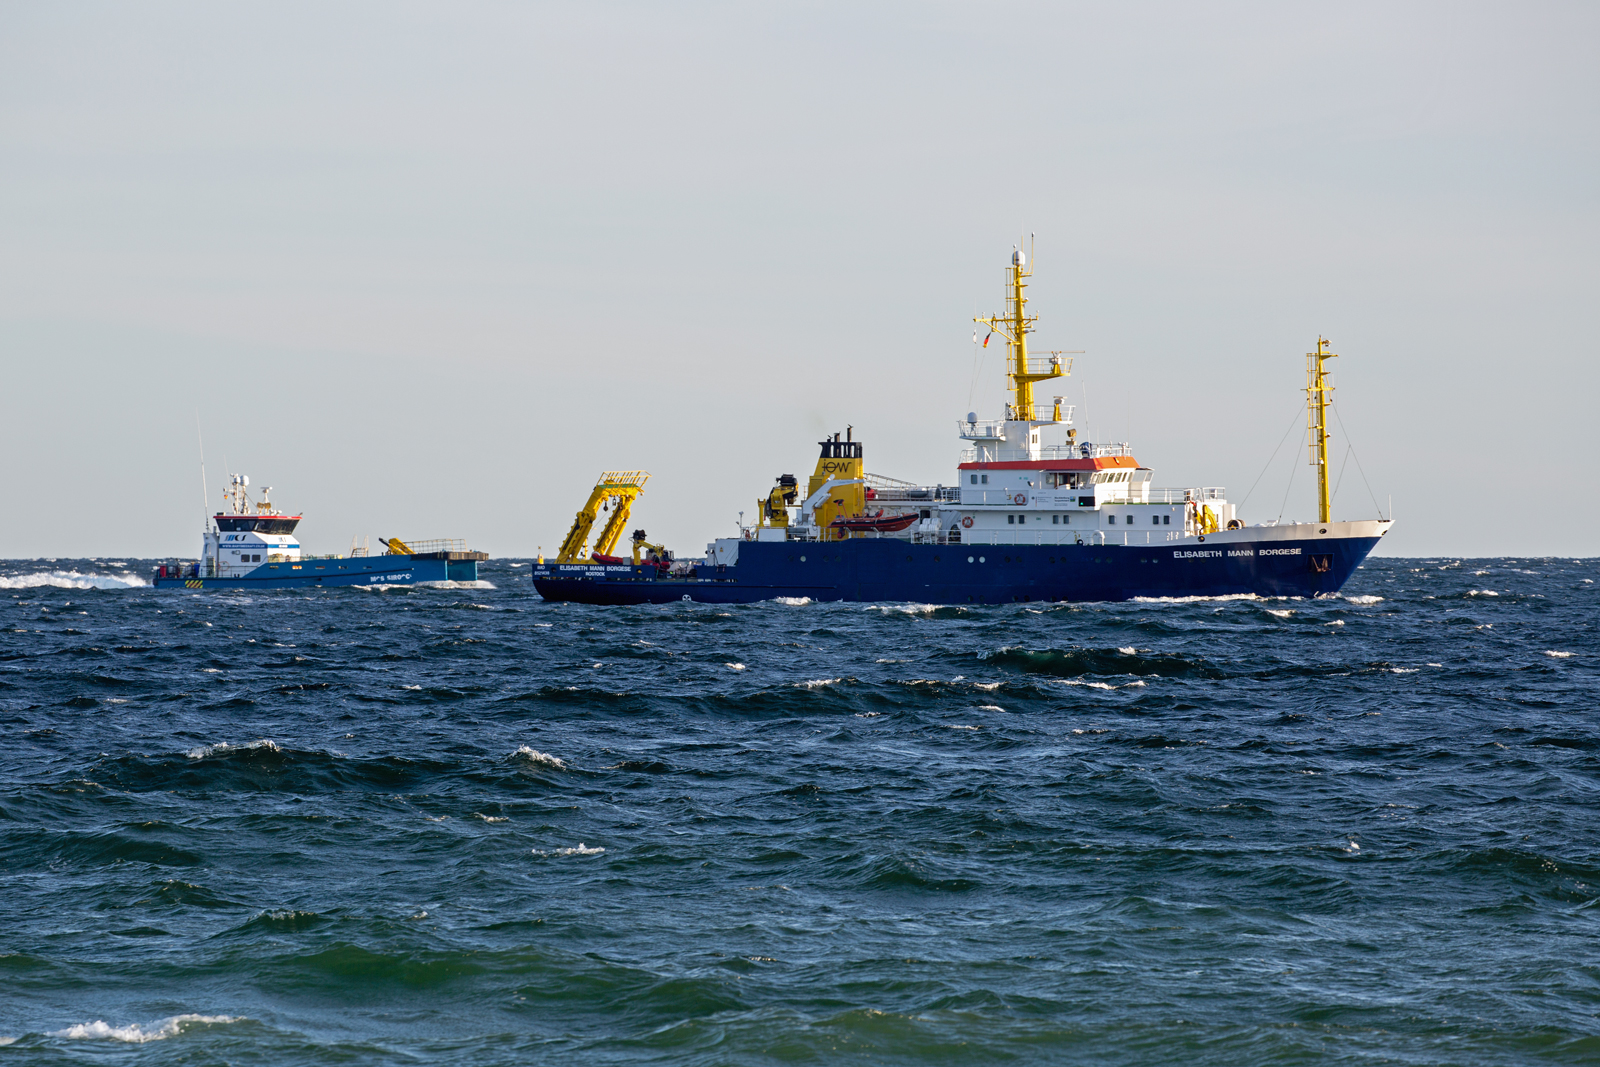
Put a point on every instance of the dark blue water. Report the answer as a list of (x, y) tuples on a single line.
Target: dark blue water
[(465, 826)]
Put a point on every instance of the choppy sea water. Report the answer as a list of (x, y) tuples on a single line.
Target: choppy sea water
[(466, 826)]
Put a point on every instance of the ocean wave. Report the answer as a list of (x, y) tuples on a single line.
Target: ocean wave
[(1200, 599), (222, 748), (1073, 662), (580, 849), (534, 756), (1559, 655), (136, 1034), (792, 601), (1363, 599), (72, 580)]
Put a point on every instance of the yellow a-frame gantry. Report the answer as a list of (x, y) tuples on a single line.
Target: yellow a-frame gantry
[(615, 490)]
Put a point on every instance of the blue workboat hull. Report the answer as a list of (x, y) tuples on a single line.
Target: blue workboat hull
[(359, 571), (892, 570)]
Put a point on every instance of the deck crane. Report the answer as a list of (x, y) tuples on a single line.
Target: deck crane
[(614, 492)]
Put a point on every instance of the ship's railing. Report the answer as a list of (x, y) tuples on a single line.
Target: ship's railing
[(992, 454), (1063, 497), (438, 544), (1184, 496), (1056, 536), (982, 429), (915, 494), (1069, 537)]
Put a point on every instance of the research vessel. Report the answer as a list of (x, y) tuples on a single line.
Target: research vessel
[(1032, 514), (252, 545)]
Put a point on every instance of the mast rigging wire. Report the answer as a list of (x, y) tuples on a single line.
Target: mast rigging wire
[(1375, 505), (1270, 458)]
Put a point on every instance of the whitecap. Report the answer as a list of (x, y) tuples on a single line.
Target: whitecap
[(533, 755), (990, 707), (987, 685), (73, 580), (1194, 599), (133, 1033), (1128, 650), (222, 748), (1139, 684), (1559, 655), (961, 727), (581, 850), (1335, 622), (816, 682), (792, 601), (1284, 614), (734, 666), (490, 818), (1362, 599), (1482, 592), (1099, 685)]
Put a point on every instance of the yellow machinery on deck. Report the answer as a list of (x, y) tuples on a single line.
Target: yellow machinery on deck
[(614, 492)]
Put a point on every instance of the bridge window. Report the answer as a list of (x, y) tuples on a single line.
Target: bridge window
[(1011, 520), (1166, 520), (985, 479), (974, 479)]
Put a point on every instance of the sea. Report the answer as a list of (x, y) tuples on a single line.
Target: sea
[(461, 825)]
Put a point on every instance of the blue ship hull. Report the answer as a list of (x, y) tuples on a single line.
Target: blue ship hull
[(359, 570), (892, 570)]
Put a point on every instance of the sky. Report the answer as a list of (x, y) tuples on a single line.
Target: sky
[(428, 269)]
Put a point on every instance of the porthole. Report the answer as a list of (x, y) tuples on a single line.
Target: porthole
[(802, 559), (969, 559), (982, 560)]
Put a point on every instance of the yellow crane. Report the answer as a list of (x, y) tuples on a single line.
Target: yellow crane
[(614, 492)]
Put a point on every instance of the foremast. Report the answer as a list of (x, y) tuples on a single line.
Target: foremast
[(1318, 396)]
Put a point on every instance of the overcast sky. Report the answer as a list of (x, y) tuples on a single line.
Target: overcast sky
[(428, 269)]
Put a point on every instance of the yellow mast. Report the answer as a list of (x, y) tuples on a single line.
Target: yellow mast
[(1317, 396), (1014, 326)]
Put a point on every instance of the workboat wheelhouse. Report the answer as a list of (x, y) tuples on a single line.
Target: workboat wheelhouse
[(252, 545), (1033, 514)]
